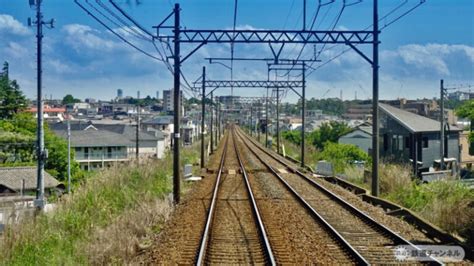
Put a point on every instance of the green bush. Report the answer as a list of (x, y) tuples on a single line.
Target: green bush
[(446, 203), (342, 155)]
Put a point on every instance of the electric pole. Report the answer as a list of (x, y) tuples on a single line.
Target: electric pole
[(266, 120), (278, 119), (41, 152), (68, 154), (212, 122), (177, 107), (137, 132), (375, 104), (303, 115), (203, 113), (441, 120)]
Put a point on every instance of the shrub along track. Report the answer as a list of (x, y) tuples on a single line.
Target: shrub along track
[(371, 241)]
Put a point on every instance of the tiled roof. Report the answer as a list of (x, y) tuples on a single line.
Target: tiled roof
[(160, 120), (95, 138), (12, 177), (411, 121)]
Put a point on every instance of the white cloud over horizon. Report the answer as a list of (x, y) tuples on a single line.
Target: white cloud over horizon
[(8, 24), (86, 61)]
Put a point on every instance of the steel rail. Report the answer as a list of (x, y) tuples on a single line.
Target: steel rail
[(347, 246), (364, 217), (263, 233), (207, 229)]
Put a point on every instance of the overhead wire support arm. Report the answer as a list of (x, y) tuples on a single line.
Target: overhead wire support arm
[(252, 83), (274, 36)]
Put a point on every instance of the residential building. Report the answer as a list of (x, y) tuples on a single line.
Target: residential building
[(461, 96), (160, 123), (50, 113), (362, 111), (168, 103), (467, 150), (22, 180), (407, 136), (151, 144), (97, 148), (360, 137)]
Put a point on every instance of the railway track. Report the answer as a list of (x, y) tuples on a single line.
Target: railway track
[(234, 232), (366, 240)]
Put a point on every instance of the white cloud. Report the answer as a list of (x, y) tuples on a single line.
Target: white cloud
[(84, 37), (16, 50), (433, 56), (9, 24)]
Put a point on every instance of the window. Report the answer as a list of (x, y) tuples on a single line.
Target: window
[(385, 142), (425, 142), (407, 142)]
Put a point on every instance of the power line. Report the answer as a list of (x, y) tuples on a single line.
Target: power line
[(386, 25), (289, 13), (115, 33)]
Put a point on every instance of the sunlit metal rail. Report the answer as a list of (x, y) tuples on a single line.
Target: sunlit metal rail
[(349, 238), (214, 240)]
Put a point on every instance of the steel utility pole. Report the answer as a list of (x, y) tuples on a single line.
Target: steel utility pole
[(278, 119), (68, 154), (41, 152), (441, 119), (258, 122), (137, 131), (266, 120), (203, 113), (251, 121), (303, 115), (220, 122), (212, 122), (375, 104), (177, 107)]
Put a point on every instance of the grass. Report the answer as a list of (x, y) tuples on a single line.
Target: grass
[(445, 203), (105, 221), (448, 204)]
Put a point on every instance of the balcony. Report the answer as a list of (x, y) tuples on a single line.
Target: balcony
[(106, 156)]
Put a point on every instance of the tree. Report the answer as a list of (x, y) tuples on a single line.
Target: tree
[(292, 136), (328, 132), (69, 99), (341, 155), (12, 99), (466, 110), (331, 106)]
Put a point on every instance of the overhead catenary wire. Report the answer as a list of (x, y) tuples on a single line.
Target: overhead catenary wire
[(115, 33), (139, 26), (421, 2)]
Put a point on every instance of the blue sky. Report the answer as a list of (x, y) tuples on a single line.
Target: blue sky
[(81, 57)]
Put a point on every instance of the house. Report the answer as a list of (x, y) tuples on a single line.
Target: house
[(98, 148), (406, 136), (50, 113), (467, 150), (360, 137), (160, 123), (22, 180), (151, 144)]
